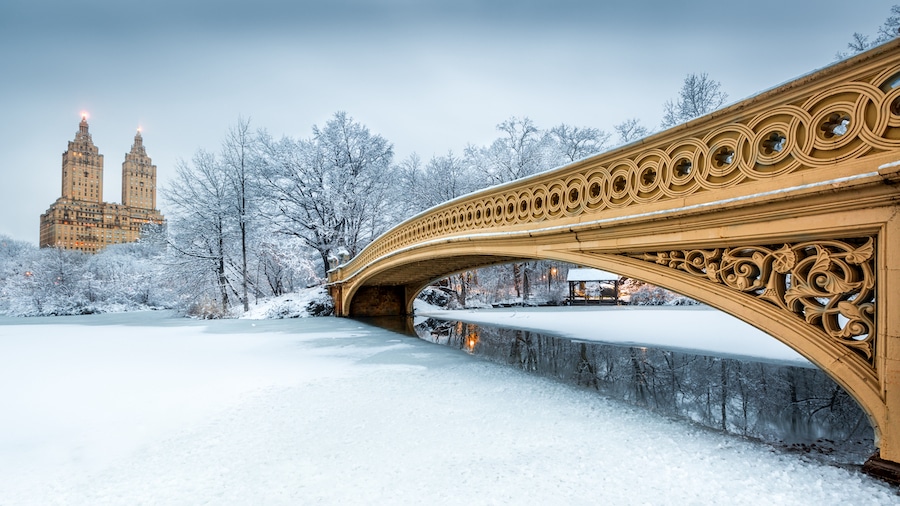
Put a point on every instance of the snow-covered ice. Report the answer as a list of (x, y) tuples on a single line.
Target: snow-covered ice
[(144, 408), (698, 329)]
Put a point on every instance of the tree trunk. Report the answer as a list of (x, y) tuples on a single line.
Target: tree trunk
[(220, 270), (244, 275)]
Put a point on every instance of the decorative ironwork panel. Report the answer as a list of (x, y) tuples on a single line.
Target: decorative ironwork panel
[(829, 283)]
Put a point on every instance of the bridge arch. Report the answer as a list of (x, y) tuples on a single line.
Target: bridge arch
[(841, 362), (782, 210)]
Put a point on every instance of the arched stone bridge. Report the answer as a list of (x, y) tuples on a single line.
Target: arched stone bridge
[(782, 210)]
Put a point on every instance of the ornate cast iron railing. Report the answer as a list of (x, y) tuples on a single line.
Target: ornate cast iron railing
[(844, 112)]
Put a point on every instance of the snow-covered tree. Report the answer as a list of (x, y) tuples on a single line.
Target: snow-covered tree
[(54, 281), (331, 191), (410, 177), (13, 255), (443, 178), (202, 224), (575, 143), (699, 95), (282, 264), (520, 151), (16, 259), (53, 284), (239, 162)]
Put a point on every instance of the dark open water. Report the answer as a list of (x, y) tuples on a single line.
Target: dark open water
[(795, 408)]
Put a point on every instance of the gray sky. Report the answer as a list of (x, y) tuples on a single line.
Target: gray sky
[(429, 76)]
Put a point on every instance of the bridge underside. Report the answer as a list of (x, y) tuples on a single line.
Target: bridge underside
[(782, 210), (391, 291)]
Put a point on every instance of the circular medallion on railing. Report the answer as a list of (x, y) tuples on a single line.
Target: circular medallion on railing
[(499, 204), (470, 215), (683, 170), (595, 192), (832, 125), (620, 183), (574, 195), (509, 210), (479, 213), (727, 152), (720, 170), (555, 199), (523, 206), (772, 148), (435, 227), (646, 177), (779, 135), (538, 202), (721, 160)]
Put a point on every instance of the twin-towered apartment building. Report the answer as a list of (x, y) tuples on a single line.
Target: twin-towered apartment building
[(80, 219)]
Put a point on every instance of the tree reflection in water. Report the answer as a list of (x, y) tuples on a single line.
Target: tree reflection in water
[(797, 408)]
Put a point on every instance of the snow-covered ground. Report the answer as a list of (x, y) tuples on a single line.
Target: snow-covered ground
[(144, 408), (698, 329)]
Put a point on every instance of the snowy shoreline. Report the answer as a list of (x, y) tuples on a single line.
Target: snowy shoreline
[(141, 408)]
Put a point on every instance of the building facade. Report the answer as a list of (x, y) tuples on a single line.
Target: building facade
[(80, 219)]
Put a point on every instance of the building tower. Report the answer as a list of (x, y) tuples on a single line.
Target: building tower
[(82, 166), (79, 219), (138, 177)]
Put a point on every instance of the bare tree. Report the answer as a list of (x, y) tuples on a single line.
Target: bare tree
[(887, 31), (891, 26), (630, 130), (699, 95)]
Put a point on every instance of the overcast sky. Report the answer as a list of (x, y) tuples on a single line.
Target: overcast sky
[(429, 76)]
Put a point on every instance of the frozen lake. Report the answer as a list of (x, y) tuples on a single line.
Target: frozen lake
[(678, 328), (143, 408)]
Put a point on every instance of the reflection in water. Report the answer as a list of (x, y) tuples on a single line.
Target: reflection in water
[(799, 408)]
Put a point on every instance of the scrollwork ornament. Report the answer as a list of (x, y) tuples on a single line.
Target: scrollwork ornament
[(829, 283)]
